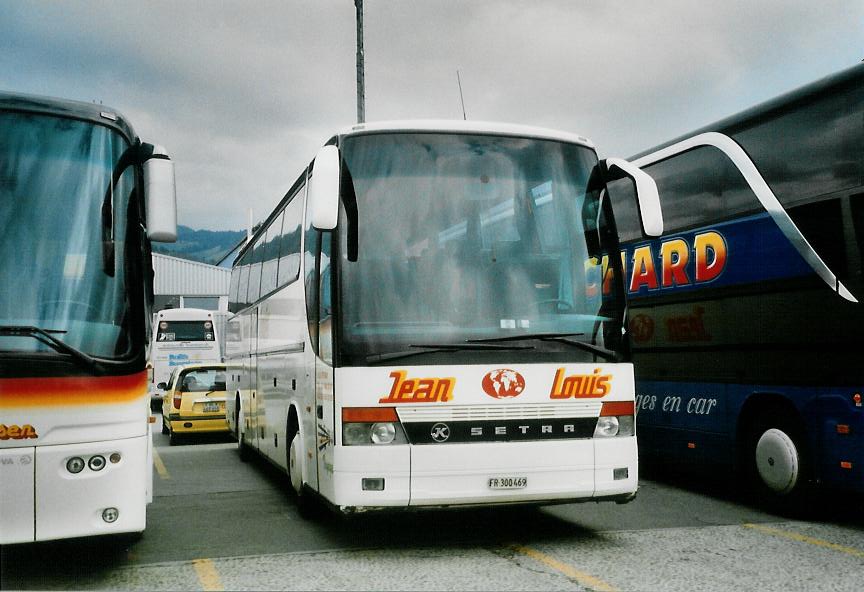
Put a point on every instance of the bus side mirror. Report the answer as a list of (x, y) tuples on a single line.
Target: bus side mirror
[(324, 188), (160, 195), (646, 194)]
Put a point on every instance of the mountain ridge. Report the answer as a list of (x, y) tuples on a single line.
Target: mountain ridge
[(203, 246)]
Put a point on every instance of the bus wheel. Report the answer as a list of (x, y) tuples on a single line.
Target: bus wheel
[(239, 419), (295, 476), (294, 470), (778, 462)]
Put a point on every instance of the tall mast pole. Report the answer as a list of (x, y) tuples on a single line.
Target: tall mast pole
[(361, 82)]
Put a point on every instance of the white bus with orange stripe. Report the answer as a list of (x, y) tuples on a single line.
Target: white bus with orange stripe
[(82, 198), (421, 322)]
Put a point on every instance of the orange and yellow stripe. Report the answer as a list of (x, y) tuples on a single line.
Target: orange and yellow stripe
[(71, 390)]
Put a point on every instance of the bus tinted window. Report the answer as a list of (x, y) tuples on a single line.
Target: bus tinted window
[(235, 286), (243, 289), (255, 271), (185, 331), (821, 223), (823, 146), (623, 195), (856, 207), (270, 257), (699, 186), (289, 259)]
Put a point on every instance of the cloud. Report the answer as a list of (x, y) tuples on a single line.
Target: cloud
[(243, 93)]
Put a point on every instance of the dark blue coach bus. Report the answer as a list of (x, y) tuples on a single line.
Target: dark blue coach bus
[(745, 320)]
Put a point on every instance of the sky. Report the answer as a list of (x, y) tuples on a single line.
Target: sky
[(242, 94)]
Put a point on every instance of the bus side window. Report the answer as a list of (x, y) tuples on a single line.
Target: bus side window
[(622, 192)]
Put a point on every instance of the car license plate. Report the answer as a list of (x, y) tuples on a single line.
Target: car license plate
[(211, 407), (508, 482)]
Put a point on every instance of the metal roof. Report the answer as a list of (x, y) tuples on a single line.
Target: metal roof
[(175, 276)]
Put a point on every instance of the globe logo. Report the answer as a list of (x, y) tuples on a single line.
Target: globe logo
[(642, 328), (503, 383)]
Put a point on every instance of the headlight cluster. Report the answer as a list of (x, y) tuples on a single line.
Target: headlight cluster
[(617, 418), (367, 426), (360, 434), (96, 462)]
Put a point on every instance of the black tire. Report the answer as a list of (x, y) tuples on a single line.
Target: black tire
[(306, 504), (776, 462), (173, 439), (165, 429)]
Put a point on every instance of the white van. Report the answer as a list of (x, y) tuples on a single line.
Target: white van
[(181, 336)]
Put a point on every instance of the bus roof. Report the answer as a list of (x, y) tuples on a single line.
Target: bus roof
[(803, 94), (98, 114), (463, 127)]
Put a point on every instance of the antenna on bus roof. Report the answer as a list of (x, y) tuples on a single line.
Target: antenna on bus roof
[(461, 98)]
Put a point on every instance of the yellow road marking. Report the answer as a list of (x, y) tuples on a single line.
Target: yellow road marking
[(160, 466), (803, 538), (571, 572), (207, 574)]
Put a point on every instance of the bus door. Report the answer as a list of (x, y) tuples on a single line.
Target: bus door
[(325, 414)]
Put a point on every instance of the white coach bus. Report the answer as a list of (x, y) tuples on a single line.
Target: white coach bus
[(181, 336), (421, 322), (81, 200)]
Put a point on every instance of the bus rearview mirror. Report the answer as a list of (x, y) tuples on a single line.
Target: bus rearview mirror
[(646, 194), (161, 197), (324, 188)]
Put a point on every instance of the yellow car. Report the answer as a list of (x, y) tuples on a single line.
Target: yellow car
[(194, 401)]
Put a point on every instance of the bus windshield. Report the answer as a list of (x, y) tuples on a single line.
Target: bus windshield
[(472, 238), (54, 174), (185, 331)]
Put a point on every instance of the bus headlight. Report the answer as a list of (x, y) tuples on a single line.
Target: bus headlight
[(617, 418), (383, 433), (75, 465), (368, 434), (626, 425), (606, 427), (97, 463), (355, 433), (366, 426)]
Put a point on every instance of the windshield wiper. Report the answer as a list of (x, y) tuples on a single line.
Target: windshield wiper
[(44, 335), (521, 336), (431, 348), (557, 337)]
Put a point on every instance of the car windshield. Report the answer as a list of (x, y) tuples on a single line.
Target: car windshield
[(54, 174), (472, 237)]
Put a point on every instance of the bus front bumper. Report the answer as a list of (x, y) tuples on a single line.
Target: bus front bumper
[(44, 501), (559, 471)]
